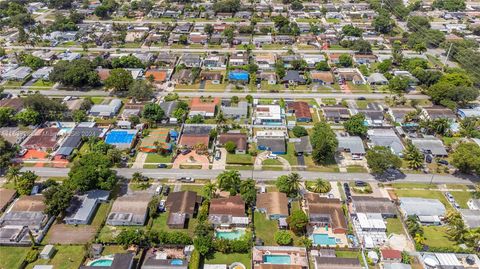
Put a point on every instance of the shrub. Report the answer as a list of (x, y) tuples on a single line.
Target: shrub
[(194, 260), (230, 146), (283, 238), (299, 131), (32, 255)]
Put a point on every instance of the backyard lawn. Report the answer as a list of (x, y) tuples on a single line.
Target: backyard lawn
[(65, 257), (394, 226), (112, 249), (265, 229), (160, 223), (220, 258), (349, 254), (436, 236), (12, 257)]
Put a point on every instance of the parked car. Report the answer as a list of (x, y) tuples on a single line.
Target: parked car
[(186, 179), (360, 183), (272, 156), (161, 206), (444, 162), (162, 165), (185, 151), (22, 152), (166, 190), (132, 152), (158, 190), (429, 158), (218, 155)]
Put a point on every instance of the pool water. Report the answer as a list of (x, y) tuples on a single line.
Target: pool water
[(231, 235), (176, 262), (324, 240), (277, 259), (102, 262)]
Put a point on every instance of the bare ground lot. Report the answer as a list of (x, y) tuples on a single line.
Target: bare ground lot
[(69, 234)]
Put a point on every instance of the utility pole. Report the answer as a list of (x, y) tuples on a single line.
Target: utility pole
[(448, 54)]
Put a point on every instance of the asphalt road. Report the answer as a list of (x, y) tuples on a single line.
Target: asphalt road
[(258, 175), (230, 94)]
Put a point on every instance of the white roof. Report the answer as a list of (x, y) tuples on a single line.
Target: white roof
[(447, 259), (268, 112), (240, 220), (371, 221), (429, 219)]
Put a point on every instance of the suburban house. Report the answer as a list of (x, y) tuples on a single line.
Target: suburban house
[(377, 79), (301, 110), (26, 214), (428, 211), (294, 77), (43, 139), (385, 138), (261, 40), (391, 255), (156, 75), (350, 74), (238, 59), (235, 111), (19, 74), (470, 217), (183, 76), (273, 204), (303, 146), (268, 115), (273, 140), (203, 107), (322, 77), (83, 207), (265, 61), (269, 77), (324, 212), (106, 111), (14, 103), (195, 135), (129, 210), (352, 145), (181, 206), (168, 108), (468, 112), (369, 205), (438, 112), (239, 139), (215, 61), (398, 113), (430, 145), (75, 139), (216, 77), (122, 138), (191, 60), (227, 213), (335, 113), (119, 261), (365, 58), (313, 59)]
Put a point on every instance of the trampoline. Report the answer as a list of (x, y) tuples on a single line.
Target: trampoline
[(120, 137)]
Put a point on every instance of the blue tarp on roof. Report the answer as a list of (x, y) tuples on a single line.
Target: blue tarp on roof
[(238, 75)]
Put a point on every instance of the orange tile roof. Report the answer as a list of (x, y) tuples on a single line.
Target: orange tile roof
[(158, 75), (199, 105)]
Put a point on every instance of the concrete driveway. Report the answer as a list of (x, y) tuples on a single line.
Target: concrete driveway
[(140, 160), (263, 156), (220, 164), (191, 158)]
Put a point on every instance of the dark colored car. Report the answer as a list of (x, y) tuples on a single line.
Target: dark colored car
[(166, 190), (132, 152), (185, 151), (361, 98), (444, 162), (360, 183), (162, 165)]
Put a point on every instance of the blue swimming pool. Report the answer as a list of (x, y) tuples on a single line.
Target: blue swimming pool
[(324, 240), (117, 136), (277, 259), (176, 262), (102, 262), (230, 235)]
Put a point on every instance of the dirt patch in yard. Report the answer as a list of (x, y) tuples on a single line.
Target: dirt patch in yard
[(69, 234)]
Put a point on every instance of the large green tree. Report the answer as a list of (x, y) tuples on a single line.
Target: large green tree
[(57, 199), (289, 184), (466, 158), (153, 112), (379, 159), (324, 143), (229, 181), (141, 90), (356, 125), (119, 80), (77, 73), (298, 221), (26, 182), (7, 153), (248, 191)]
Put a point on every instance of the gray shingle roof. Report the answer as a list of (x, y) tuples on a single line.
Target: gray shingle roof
[(421, 206)]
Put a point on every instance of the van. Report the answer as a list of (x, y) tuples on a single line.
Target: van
[(218, 155), (272, 156)]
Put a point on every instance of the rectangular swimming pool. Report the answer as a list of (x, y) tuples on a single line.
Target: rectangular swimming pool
[(230, 235), (277, 259), (324, 240)]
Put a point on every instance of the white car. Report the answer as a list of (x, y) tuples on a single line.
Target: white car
[(161, 206), (272, 156)]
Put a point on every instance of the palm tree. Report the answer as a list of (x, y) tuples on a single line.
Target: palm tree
[(136, 177), (13, 174), (413, 156), (320, 186), (419, 239), (293, 182), (209, 190), (220, 118)]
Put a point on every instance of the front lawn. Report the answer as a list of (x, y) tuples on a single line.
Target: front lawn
[(436, 236), (157, 158), (245, 159), (271, 162), (220, 258), (65, 257), (196, 188), (42, 83), (414, 186), (12, 257), (394, 226), (461, 197)]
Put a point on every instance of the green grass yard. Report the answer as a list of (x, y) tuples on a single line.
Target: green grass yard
[(12, 257), (436, 236), (394, 226), (245, 159), (424, 194), (220, 258), (461, 197), (157, 158), (160, 223), (414, 186), (65, 257), (43, 83)]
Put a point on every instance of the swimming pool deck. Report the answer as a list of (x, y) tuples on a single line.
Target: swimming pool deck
[(298, 255), (342, 240)]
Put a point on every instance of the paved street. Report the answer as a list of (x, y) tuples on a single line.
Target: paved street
[(259, 175)]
